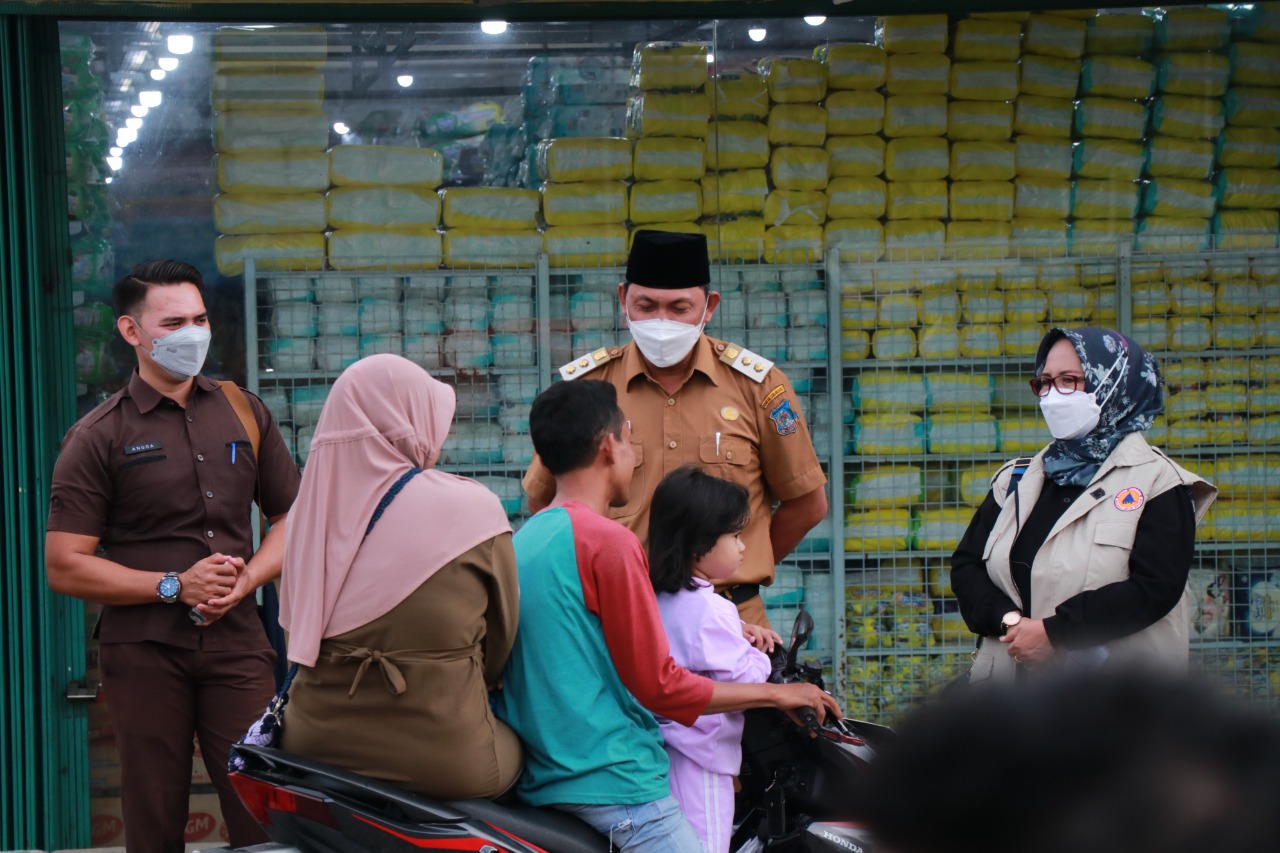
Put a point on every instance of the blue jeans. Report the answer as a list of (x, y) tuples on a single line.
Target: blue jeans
[(656, 827)]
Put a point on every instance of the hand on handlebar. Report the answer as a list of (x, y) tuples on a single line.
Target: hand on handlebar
[(807, 704)]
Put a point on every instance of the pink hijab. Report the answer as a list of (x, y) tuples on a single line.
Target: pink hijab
[(384, 416)]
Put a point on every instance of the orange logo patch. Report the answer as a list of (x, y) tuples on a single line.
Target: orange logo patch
[(1130, 499)]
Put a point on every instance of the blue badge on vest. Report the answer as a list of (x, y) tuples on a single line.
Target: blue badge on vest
[(785, 418)]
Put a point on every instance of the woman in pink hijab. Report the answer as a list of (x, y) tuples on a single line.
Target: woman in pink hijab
[(398, 633)]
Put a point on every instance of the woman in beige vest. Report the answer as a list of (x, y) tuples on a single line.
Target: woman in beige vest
[(1085, 560)]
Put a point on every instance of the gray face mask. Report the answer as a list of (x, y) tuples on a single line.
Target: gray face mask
[(181, 352)]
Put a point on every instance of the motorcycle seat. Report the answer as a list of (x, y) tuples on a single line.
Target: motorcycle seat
[(545, 827)]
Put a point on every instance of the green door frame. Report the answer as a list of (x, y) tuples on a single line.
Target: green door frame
[(43, 737)]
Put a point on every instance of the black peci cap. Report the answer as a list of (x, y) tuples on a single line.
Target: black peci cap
[(668, 260)]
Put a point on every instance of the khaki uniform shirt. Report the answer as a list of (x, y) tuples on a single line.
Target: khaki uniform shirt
[(155, 482), (752, 433)]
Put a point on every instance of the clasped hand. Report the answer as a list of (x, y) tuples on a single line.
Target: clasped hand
[(1028, 643), (214, 585)]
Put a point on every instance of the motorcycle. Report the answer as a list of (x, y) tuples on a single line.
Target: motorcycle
[(795, 795)]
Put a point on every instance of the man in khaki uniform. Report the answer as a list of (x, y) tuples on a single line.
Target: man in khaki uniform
[(692, 399)]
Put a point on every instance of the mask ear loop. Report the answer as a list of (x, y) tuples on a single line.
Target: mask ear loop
[(1125, 358)]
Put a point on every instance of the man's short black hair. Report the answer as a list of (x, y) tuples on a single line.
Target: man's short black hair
[(128, 294), (569, 420)]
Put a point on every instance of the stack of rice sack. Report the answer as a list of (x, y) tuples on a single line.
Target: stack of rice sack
[(668, 117), (572, 96), (584, 199), (490, 227), (270, 133), (735, 185)]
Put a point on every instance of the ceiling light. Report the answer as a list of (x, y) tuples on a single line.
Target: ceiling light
[(115, 151), (135, 123), (180, 44), (168, 63), (815, 20), (757, 33), (149, 98), (125, 135), (108, 179), (493, 28), (157, 74), (139, 111), (340, 128), (115, 163), (711, 57), (405, 80)]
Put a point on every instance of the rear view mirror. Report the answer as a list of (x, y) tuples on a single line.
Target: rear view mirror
[(800, 633)]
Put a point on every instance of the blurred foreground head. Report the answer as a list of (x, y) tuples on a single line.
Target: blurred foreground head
[(1104, 764)]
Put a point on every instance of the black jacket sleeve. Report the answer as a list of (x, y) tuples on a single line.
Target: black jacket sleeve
[(982, 603)]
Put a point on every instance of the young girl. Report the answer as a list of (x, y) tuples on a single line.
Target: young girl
[(694, 522)]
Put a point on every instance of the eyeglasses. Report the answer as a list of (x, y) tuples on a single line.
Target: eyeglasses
[(1065, 383)]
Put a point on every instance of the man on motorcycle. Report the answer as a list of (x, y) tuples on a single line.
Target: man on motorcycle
[(591, 664)]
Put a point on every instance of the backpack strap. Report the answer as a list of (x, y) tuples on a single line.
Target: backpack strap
[(240, 405)]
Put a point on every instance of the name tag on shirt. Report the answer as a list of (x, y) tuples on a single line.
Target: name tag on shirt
[(133, 449)]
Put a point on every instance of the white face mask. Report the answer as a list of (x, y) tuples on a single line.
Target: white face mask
[(1074, 415), (181, 352), (665, 342)]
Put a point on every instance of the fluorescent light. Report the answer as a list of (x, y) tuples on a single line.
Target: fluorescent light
[(135, 123), (405, 80), (815, 20), (115, 151), (108, 179), (139, 111), (493, 28), (115, 163), (125, 135), (757, 33), (340, 128), (157, 74), (168, 63), (150, 98), (180, 44)]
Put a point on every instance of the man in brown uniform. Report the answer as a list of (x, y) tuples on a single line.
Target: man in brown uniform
[(150, 517), (692, 399)]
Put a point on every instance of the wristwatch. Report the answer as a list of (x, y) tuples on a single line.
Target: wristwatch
[(169, 587), (1008, 620)]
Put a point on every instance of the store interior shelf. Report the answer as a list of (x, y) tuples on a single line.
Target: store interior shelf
[(269, 375)]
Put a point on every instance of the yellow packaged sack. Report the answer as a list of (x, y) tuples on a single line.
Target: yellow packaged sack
[(742, 97), (734, 193), (272, 173), (659, 158), (360, 249), (942, 529), (1053, 35), (585, 203), (1042, 157), (855, 156), (1172, 234), (1119, 33), (1178, 197), (1238, 298), (914, 240), (382, 207), (890, 344), (1153, 332), (1023, 435), (1234, 332), (739, 241), (979, 120), (1243, 230), (984, 81), (796, 207), (1186, 372), (877, 530), (939, 306), (967, 432), (269, 252), (290, 46), (885, 486), (916, 200), (1190, 334), (917, 74), (578, 246), (917, 159), (1170, 157), (1071, 304), (978, 240), (1113, 159), (1257, 189), (974, 482), (912, 33), (1191, 298), (1264, 269), (1192, 28), (585, 158), (1254, 147), (1247, 477), (858, 241), (271, 131), (1201, 75), (856, 198), (983, 161), (737, 145), (794, 80), (1040, 198), (1095, 199), (853, 65), (1023, 339), (991, 41), (854, 345), (1111, 118), (287, 213), (665, 201), (896, 310), (799, 168), (490, 207), (915, 115), (858, 312), (385, 165), (267, 91), (1036, 115), (854, 113), (668, 114), (793, 244), (1227, 371), (669, 66), (1017, 278), (1187, 118), (1039, 238), (1049, 77), (797, 124), (958, 392), (1253, 64), (939, 342), (1099, 237), (1263, 430), (1117, 77), (1150, 299), (481, 248), (1028, 306), (1253, 106), (989, 200)]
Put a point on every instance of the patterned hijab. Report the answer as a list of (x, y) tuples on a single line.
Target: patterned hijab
[(1131, 391)]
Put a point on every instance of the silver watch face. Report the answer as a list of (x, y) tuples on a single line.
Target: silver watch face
[(169, 587)]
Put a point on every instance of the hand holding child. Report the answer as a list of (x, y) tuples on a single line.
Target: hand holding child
[(763, 639)]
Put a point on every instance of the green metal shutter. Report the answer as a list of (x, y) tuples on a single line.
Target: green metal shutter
[(43, 737)]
